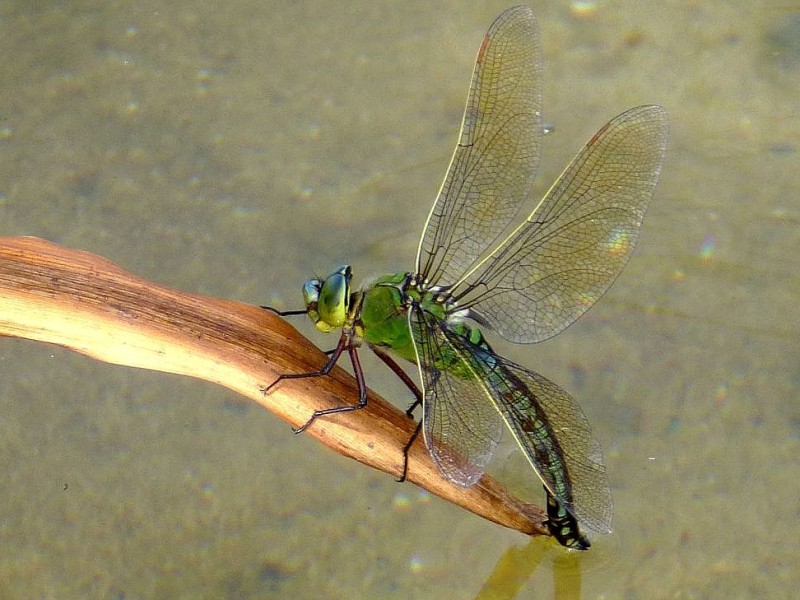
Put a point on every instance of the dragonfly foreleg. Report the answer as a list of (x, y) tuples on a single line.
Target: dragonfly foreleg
[(285, 313)]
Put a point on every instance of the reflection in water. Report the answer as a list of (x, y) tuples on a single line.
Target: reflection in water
[(517, 565)]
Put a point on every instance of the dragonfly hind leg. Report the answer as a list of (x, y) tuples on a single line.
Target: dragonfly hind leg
[(404, 377), (411, 385), (406, 450)]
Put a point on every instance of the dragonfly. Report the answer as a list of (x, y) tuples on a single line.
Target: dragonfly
[(527, 285)]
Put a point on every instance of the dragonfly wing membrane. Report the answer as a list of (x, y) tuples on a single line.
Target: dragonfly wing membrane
[(550, 429), (461, 429), (494, 163), (588, 498), (572, 247)]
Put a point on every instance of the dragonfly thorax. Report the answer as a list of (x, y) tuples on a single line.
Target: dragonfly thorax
[(431, 295)]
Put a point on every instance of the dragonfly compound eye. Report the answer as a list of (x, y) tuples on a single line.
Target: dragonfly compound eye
[(311, 289), (333, 301)]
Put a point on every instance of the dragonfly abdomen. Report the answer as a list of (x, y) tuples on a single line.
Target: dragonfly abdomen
[(563, 526), (515, 394)]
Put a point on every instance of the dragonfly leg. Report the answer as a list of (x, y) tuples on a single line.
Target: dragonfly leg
[(284, 313), (411, 385), (344, 342), (352, 351), (406, 450), (404, 377), (410, 410), (326, 368)]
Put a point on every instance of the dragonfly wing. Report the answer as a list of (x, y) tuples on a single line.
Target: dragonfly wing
[(587, 495), (495, 161), (551, 430), (577, 240), (461, 427)]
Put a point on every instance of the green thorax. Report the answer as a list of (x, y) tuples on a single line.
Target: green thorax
[(383, 317)]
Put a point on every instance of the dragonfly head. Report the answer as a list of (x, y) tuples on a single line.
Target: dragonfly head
[(328, 300)]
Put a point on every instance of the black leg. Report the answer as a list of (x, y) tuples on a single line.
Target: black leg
[(284, 313), (345, 341), (326, 368), (362, 392), (411, 385), (398, 370), (406, 450)]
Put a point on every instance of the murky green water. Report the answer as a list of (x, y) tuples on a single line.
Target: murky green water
[(234, 149)]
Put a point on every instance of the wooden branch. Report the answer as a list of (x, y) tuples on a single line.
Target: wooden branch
[(84, 302)]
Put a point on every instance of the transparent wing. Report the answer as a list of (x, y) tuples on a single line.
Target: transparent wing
[(556, 438), (461, 427), (495, 161), (577, 240), (549, 427)]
